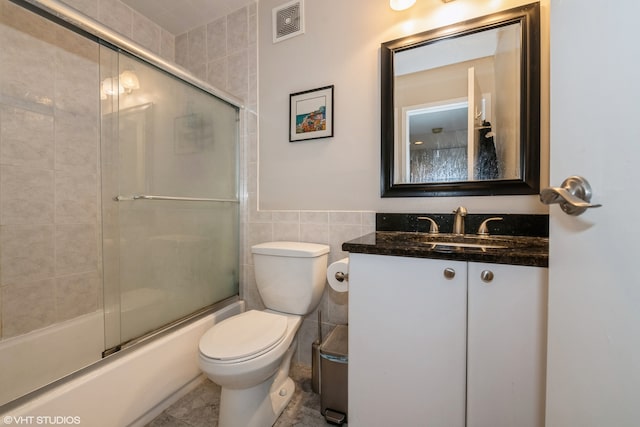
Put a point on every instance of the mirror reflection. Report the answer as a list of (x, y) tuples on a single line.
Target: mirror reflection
[(441, 138), (460, 108)]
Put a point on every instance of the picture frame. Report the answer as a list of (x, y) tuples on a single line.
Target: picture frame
[(311, 114)]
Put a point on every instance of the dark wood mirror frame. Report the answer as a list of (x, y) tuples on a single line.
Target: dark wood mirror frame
[(529, 182)]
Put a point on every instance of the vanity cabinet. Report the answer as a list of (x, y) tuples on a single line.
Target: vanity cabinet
[(433, 344)]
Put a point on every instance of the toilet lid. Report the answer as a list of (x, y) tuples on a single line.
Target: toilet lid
[(247, 334)]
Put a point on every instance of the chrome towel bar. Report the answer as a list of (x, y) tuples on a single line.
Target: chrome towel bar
[(179, 199)]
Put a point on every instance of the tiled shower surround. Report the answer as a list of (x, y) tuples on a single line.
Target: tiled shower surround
[(50, 237), (49, 178), (50, 242)]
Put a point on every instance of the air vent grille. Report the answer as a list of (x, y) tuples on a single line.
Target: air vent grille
[(288, 21)]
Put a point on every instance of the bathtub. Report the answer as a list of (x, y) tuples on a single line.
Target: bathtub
[(37, 358), (127, 389)]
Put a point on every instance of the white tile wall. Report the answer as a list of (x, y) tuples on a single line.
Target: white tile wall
[(146, 32), (223, 52), (27, 306), (27, 138), (217, 39), (50, 260), (28, 254), (118, 16)]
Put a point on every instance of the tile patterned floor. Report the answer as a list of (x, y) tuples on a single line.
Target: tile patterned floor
[(200, 407)]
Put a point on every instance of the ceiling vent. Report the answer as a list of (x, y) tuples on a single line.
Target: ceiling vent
[(288, 20)]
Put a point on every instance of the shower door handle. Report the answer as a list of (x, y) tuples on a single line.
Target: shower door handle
[(574, 196)]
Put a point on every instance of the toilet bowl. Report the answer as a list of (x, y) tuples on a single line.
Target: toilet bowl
[(251, 367), (249, 355)]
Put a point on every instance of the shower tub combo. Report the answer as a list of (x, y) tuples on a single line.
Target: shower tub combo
[(119, 218)]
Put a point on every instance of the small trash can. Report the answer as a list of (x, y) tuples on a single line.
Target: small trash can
[(334, 361)]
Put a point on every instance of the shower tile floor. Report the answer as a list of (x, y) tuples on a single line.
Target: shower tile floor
[(199, 408)]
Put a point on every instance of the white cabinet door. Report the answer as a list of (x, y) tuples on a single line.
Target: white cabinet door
[(506, 346), (406, 342)]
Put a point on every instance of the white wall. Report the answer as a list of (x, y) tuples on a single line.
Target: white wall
[(341, 47)]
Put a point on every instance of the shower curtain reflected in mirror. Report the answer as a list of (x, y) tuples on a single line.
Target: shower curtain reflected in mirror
[(81, 273)]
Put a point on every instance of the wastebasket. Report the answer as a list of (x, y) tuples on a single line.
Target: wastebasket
[(334, 361)]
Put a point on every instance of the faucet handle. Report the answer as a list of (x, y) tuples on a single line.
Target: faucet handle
[(433, 229), (483, 230)]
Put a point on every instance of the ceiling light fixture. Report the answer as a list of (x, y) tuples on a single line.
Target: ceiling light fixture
[(401, 4), (406, 4)]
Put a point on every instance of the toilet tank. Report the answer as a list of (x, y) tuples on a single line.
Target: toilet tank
[(290, 275)]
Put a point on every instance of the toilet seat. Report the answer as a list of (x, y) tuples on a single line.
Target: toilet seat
[(243, 337)]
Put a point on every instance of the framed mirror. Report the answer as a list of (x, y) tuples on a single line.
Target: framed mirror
[(460, 111)]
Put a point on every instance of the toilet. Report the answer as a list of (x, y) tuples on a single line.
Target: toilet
[(249, 354)]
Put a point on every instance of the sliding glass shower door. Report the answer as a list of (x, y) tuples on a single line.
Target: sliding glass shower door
[(90, 256), (170, 205)]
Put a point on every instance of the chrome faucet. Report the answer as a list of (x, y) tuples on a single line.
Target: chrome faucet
[(458, 221)]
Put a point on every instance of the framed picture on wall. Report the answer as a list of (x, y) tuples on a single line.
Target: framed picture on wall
[(311, 114)]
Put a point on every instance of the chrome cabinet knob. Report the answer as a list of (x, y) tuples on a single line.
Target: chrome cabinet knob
[(449, 273), (486, 276)]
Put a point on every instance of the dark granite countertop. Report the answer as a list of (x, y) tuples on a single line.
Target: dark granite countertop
[(497, 249)]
